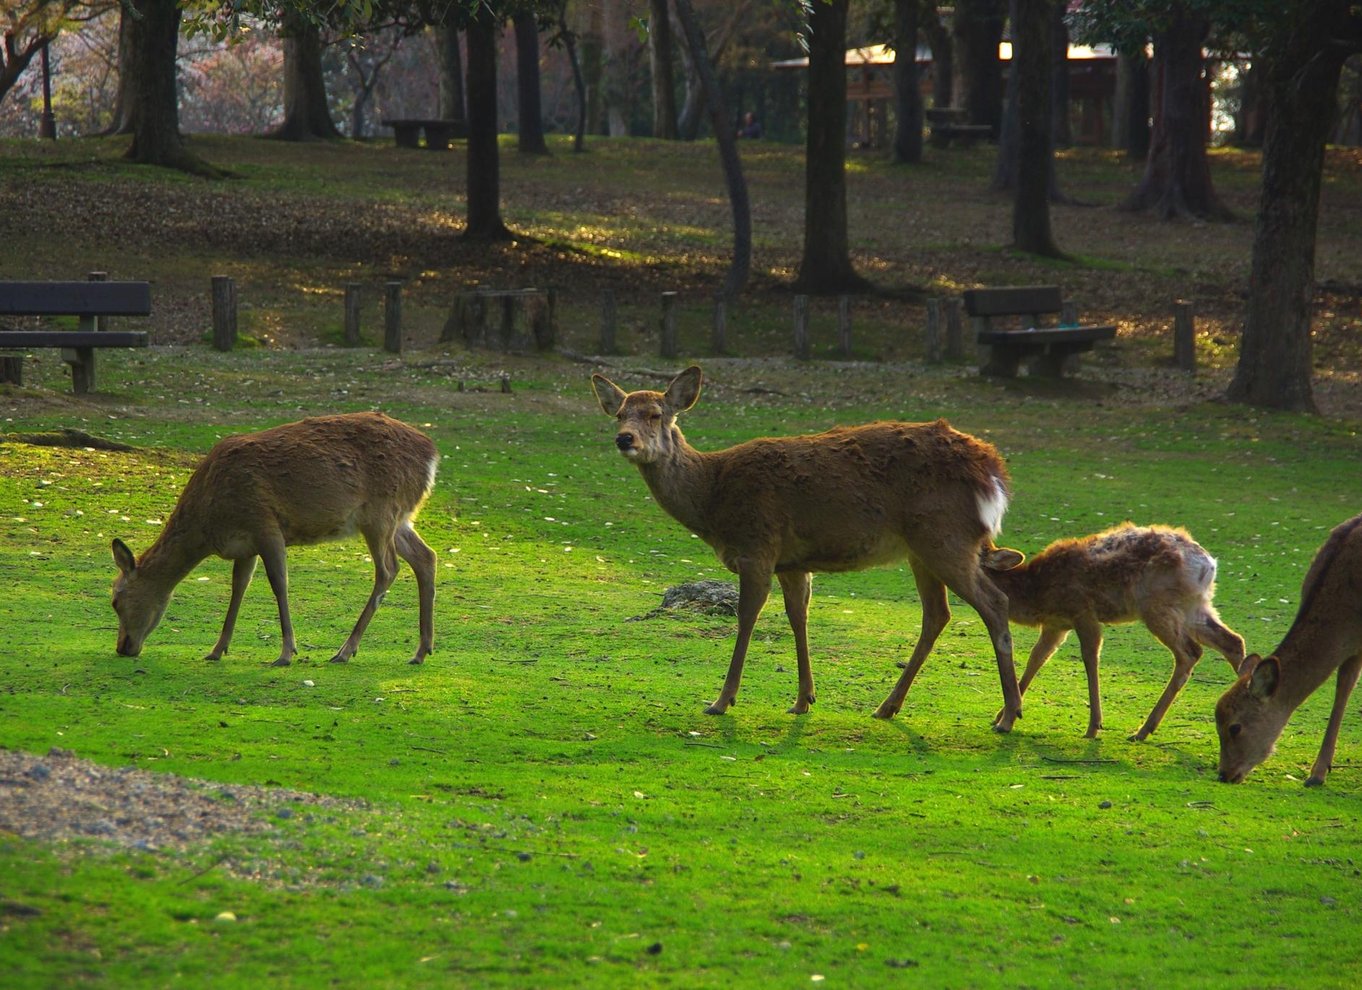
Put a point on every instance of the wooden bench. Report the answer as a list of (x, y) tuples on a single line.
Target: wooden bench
[(1049, 349), (951, 124), (92, 302), (407, 132)]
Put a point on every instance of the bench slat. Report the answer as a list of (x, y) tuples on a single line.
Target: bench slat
[(1022, 299), (1047, 335), (75, 299), (23, 339)]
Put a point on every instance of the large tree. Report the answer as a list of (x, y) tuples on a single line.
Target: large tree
[(695, 44), (976, 31), (25, 27), (907, 89), (307, 113), (660, 61), (530, 136), (1177, 176), (1300, 59), (483, 160), (826, 264), (153, 41), (1032, 66)]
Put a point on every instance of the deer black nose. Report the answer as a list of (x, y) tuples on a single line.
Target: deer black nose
[(624, 440)]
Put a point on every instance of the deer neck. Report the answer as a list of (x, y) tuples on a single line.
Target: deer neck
[(174, 554), (681, 481)]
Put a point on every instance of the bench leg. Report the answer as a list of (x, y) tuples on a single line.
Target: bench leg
[(11, 370), (1002, 362), (1049, 364), (82, 362)]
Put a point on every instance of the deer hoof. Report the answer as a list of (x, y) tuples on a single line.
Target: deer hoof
[(885, 712), (1313, 781), (281, 662)]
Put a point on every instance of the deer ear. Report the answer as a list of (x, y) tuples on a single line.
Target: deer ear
[(608, 394), (684, 390), (123, 557), (1000, 558), (1264, 677)]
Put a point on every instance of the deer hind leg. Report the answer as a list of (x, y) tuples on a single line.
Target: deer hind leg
[(1343, 687), (1050, 640), (243, 569), (962, 574), (1186, 651), (1089, 632), (754, 587), (274, 556), (936, 613), (1208, 630), (797, 587), (382, 547), (421, 557)]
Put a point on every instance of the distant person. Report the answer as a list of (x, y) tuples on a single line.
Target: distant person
[(751, 127)]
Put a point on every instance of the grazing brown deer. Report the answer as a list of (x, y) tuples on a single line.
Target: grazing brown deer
[(253, 495), (1326, 636), (842, 500), (1152, 574)]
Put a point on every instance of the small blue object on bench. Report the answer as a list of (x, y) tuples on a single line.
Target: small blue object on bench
[(407, 132), (1049, 349), (92, 302)]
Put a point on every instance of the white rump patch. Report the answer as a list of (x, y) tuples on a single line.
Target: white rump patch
[(992, 508)]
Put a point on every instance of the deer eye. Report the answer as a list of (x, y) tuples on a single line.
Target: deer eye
[(1235, 729)]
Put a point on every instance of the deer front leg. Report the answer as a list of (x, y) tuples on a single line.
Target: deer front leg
[(276, 569), (797, 587), (243, 569), (754, 586), (1090, 642), (1343, 686)]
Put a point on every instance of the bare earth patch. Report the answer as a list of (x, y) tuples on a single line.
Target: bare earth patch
[(59, 797)]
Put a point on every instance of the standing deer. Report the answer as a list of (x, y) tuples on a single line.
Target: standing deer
[(1151, 574), (842, 500), (1326, 636), (307, 482)]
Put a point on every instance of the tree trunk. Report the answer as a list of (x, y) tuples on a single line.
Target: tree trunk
[(617, 91), (977, 29), (1032, 65), (578, 80), (451, 72), (826, 265), (530, 139), (153, 40), (307, 115), (664, 80), (1177, 176), (1300, 83), (593, 69), (943, 55), (741, 263), (1062, 135), (17, 57), (484, 161), (907, 90), (1130, 123), (125, 100)]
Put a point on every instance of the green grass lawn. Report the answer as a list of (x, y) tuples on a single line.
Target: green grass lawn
[(547, 806)]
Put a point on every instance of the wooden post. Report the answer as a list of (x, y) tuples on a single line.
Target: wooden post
[(668, 349), (351, 314), (608, 321), (1184, 336), (392, 317), (801, 327), (718, 341), (98, 322), (955, 329), (224, 313), (931, 344), (844, 326)]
